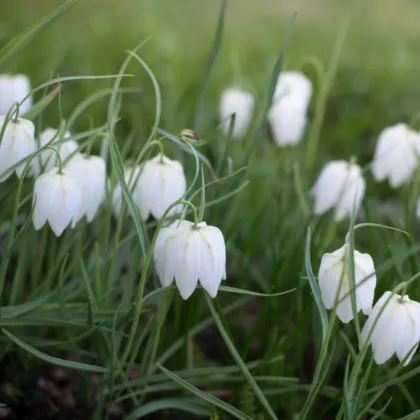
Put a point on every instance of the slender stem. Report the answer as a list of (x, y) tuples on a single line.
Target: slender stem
[(321, 100), (145, 270), (59, 160)]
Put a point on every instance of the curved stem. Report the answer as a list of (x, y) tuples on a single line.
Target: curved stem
[(145, 270), (60, 162)]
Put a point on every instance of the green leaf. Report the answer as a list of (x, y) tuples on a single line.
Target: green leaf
[(205, 396), (271, 89), (37, 108), (250, 293), (21, 40), (250, 379), (210, 66), (314, 286), (53, 360), (189, 405)]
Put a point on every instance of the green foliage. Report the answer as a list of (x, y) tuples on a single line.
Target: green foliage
[(90, 301)]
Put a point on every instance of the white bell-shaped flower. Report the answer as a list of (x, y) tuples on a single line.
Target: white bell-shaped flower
[(91, 173), (340, 185), (161, 183), (396, 155), (238, 102), (47, 159), (13, 88), (287, 120), (397, 329), (334, 282), (58, 199), (190, 255), (17, 143), (293, 84)]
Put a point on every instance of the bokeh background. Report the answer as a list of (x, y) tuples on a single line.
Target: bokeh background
[(377, 82)]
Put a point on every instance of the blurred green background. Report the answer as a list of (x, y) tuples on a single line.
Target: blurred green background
[(377, 84)]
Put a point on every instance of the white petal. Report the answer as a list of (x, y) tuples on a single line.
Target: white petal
[(188, 269), (240, 103), (329, 276), (395, 156), (213, 259), (383, 337), (365, 278), (287, 120), (329, 185), (352, 193), (293, 84)]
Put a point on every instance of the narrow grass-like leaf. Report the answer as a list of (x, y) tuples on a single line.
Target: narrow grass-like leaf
[(53, 360), (205, 396), (38, 107), (210, 66), (188, 405), (250, 293), (314, 286), (117, 162), (21, 41), (156, 87), (236, 356), (271, 89), (413, 416)]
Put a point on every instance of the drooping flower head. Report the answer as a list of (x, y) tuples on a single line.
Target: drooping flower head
[(287, 121), (47, 159), (341, 186), (397, 329), (334, 282), (58, 199), (155, 185), (238, 102), (293, 84), (190, 255), (287, 115), (17, 143), (396, 155), (13, 88), (90, 171)]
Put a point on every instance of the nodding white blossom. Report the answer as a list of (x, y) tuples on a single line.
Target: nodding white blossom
[(397, 329), (287, 121), (238, 102), (47, 159), (17, 143), (287, 115), (91, 173), (58, 199), (155, 185), (396, 155), (13, 88), (190, 255), (334, 282), (293, 84), (161, 183), (341, 186)]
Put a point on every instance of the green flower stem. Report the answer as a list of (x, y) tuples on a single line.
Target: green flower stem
[(143, 278)]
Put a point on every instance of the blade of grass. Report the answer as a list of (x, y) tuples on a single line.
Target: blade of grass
[(53, 360), (205, 396), (271, 89), (210, 66), (250, 379), (22, 40)]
